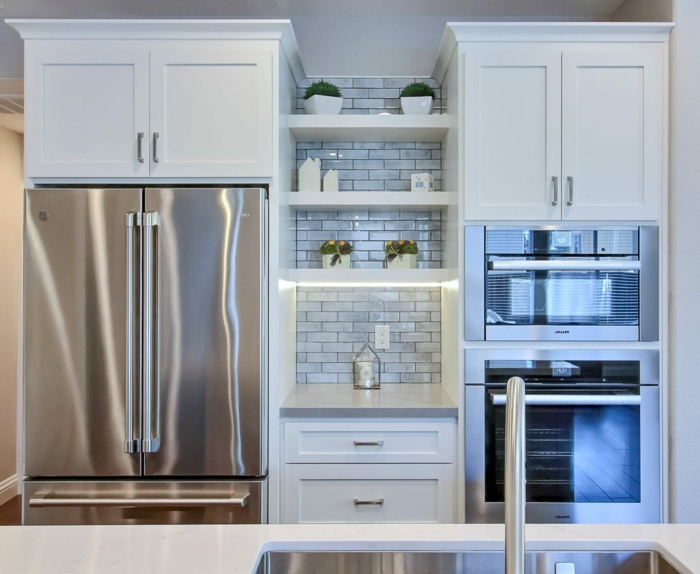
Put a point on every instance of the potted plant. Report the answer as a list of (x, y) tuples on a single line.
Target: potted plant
[(401, 254), (336, 254), (417, 99), (323, 98)]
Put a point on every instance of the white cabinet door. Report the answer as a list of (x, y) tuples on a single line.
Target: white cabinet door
[(612, 144), (375, 493), (512, 132), (86, 105), (211, 112)]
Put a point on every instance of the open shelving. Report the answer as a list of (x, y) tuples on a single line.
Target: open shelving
[(369, 128), (372, 200), (334, 276)]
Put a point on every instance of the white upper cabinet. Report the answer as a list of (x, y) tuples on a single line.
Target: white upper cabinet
[(85, 109), (211, 112), (612, 141), (512, 132)]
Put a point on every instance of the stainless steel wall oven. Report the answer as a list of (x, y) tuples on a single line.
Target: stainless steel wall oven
[(592, 438), (562, 283)]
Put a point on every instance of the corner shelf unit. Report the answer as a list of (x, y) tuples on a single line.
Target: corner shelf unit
[(369, 128), (372, 200), (372, 276)]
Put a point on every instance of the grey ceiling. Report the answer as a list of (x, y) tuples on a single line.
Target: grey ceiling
[(349, 38)]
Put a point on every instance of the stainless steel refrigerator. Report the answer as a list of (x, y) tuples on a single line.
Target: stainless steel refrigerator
[(145, 362)]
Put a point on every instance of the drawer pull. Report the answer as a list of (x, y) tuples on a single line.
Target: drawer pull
[(378, 502), (370, 443)]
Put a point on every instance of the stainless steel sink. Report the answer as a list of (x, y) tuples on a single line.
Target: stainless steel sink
[(462, 563)]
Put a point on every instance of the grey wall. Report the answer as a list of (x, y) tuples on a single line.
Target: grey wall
[(333, 323), (684, 239)]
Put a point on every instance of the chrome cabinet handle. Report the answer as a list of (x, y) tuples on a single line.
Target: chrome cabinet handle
[(156, 135), (370, 443), (133, 221), (555, 201), (571, 190), (46, 500), (139, 142), (378, 502), (151, 375)]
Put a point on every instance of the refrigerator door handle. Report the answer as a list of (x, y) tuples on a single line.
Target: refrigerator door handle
[(151, 371), (133, 222), (46, 500)]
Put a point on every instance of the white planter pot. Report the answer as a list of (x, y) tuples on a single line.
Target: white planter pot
[(323, 105), (420, 106), (402, 262), (343, 263)]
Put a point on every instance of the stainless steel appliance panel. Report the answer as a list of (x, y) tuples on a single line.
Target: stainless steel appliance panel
[(80, 332), (205, 295), (144, 502)]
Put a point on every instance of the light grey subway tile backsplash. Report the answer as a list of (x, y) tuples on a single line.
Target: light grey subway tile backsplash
[(372, 95), (335, 322)]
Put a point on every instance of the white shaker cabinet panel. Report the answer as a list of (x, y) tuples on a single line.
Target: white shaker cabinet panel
[(343, 493), (612, 143), (211, 112), (85, 108), (512, 132)]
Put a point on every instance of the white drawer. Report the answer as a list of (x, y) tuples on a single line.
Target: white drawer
[(395, 493), (427, 442)]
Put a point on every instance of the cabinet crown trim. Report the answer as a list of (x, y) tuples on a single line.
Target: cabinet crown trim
[(456, 32)]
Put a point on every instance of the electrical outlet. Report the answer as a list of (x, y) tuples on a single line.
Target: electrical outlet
[(381, 336)]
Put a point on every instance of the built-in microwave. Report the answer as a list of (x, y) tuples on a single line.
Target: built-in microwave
[(561, 283), (592, 422)]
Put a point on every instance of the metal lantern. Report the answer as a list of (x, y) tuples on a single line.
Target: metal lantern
[(366, 368)]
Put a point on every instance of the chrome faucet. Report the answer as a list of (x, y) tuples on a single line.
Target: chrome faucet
[(515, 476)]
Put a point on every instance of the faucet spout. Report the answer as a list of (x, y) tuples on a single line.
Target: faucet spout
[(515, 476)]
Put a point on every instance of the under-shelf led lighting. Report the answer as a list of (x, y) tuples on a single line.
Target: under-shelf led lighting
[(367, 284)]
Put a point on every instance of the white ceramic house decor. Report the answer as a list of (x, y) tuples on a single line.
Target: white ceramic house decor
[(422, 182), (366, 369), (330, 181), (310, 175), (417, 99)]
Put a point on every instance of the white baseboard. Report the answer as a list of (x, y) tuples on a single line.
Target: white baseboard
[(8, 489)]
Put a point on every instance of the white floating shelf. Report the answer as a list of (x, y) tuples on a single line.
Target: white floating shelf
[(369, 128), (373, 200), (322, 276)]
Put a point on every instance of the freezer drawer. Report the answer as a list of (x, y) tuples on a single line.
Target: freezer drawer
[(144, 502)]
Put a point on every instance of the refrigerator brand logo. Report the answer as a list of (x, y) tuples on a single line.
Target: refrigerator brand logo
[(245, 214), (562, 516), (562, 332)]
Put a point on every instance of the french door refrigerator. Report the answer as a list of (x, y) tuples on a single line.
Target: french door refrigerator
[(145, 363)]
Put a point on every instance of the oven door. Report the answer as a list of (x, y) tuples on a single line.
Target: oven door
[(556, 298), (592, 456)]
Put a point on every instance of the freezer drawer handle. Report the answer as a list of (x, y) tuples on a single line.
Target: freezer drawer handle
[(378, 502), (151, 334), (133, 222), (368, 443), (573, 400), (46, 500), (583, 265)]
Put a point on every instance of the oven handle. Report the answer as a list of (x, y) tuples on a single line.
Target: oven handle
[(556, 265), (572, 400)]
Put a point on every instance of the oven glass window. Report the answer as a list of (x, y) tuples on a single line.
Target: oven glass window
[(529, 279), (574, 453)]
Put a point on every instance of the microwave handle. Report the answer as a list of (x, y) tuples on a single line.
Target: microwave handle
[(572, 400), (557, 265)]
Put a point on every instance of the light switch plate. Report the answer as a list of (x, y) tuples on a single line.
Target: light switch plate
[(381, 336)]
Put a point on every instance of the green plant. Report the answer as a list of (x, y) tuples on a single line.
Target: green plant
[(336, 248), (417, 90), (400, 248), (322, 88)]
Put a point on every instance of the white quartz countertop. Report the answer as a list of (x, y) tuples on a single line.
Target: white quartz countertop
[(391, 400), (237, 549)]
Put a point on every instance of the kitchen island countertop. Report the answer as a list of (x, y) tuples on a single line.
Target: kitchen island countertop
[(391, 400), (234, 549)]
